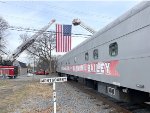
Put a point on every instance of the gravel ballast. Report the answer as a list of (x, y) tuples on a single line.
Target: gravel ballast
[(69, 99)]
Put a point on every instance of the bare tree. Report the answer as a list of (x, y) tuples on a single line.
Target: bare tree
[(42, 49), (3, 27)]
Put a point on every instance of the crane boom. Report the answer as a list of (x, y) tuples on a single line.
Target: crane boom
[(76, 22), (30, 41)]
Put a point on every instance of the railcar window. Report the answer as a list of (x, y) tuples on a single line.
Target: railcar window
[(86, 56), (95, 54), (75, 59), (113, 49)]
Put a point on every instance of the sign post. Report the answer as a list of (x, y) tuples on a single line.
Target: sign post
[(53, 80), (54, 97)]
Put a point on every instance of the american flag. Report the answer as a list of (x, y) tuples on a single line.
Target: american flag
[(63, 38)]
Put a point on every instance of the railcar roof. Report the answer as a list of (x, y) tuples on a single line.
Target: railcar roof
[(141, 6)]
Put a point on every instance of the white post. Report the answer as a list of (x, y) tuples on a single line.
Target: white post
[(53, 80), (54, 97)]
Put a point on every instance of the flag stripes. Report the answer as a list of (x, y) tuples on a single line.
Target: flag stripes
[(63, 38)]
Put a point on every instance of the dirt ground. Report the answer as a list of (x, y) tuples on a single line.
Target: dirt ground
[(24, 95)]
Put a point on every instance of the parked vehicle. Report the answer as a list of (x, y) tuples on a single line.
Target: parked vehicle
[(41, 72), (9, 71)]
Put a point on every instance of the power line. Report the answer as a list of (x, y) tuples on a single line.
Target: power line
[(3, 52), (58, 8), (21, 7), (36, 30), (2, 2), (46, 32)]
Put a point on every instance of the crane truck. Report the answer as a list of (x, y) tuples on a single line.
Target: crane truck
[(76, 22), (6, 67)]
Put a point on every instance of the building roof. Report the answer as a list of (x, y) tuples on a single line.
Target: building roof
[(23, 65)]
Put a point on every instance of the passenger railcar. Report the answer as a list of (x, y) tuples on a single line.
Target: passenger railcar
[(115, 60)]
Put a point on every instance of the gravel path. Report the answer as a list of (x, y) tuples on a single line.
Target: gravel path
[(69, 100), (72, 100)]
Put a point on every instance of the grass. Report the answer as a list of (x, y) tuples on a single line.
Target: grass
[(13, 100), (4, 83), (38, 89)]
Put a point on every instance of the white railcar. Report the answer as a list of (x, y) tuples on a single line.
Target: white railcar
[(116, 59)]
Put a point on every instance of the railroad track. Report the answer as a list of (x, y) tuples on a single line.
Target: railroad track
[(119, 107)]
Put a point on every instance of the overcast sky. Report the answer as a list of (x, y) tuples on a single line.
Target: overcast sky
[(36, 14)]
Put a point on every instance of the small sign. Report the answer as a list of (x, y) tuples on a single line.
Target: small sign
[(52, 80)]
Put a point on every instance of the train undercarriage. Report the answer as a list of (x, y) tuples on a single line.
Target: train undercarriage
[(118, 93)]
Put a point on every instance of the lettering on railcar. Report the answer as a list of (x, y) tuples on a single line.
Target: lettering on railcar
[(106, 68)]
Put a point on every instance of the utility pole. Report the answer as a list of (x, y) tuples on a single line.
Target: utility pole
[(0, 50), (33, 67)]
